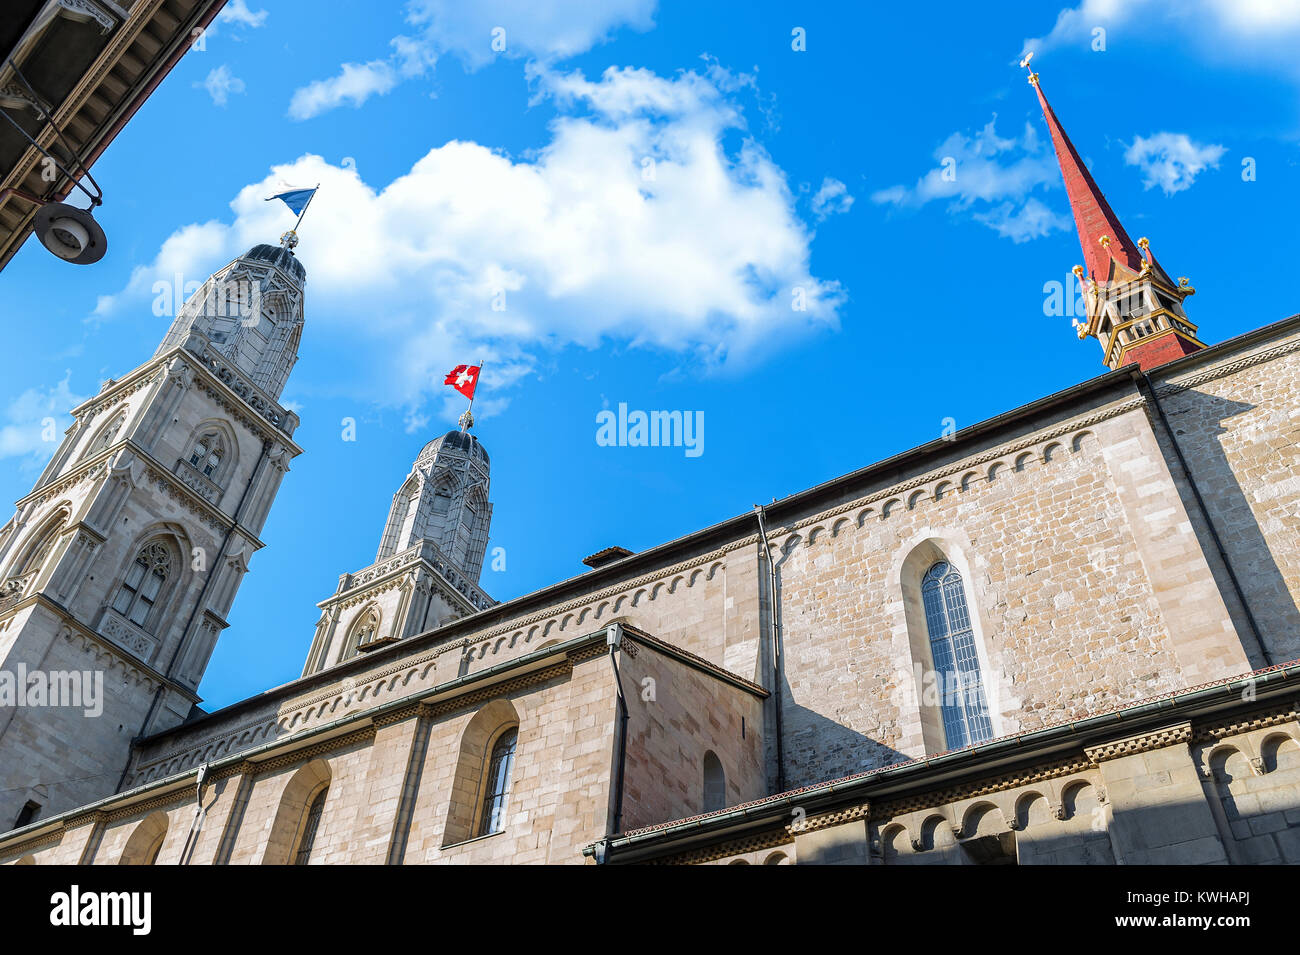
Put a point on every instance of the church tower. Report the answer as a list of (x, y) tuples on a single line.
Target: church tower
[(1134, 309), (117, 571), (430, 557)]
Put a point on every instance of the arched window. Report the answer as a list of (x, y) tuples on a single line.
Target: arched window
[(107, 434), (311, 823), (206, 454), (143, 583), (363, 632), (496, 783), (715, 783), (956, 663), (32, 561)]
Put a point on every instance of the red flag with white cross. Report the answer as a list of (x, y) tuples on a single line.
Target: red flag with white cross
[(464, 378)]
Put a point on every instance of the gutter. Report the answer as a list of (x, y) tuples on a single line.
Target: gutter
[(774, 637)]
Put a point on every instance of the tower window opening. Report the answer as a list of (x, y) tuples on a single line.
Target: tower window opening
[(956, 662)]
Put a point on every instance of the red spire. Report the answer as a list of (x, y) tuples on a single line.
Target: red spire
[(1093, 216)]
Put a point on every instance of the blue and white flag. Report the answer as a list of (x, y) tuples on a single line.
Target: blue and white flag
[(295, 199)]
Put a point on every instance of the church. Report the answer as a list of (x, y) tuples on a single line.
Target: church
[(1068, 634)]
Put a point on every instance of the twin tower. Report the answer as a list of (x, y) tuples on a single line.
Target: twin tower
[(118, 570)]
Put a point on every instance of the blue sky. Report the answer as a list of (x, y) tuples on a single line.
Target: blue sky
[(649, 182)]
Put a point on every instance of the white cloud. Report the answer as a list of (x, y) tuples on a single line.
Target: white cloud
[(1172, 161), (478, 33), (698, 252), (992, 177), (832, 198), (236, 11), (1264, 28), (35, 421), (220, 83), (355, 83)]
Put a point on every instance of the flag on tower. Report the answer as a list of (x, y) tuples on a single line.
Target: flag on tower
[(295, 199), (464, 378)]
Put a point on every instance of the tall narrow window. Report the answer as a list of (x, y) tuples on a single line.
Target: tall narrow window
[(715, 783), (310, 826), (496, 789), (27, 815), (144, 581), (952, 646)]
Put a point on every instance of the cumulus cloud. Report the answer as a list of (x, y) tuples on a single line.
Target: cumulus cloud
[(1172, 161), (355, 83), (220, 83), (991, 177), (633, 224), (34, 422), (476, 34), (832, 198), (237, 11)]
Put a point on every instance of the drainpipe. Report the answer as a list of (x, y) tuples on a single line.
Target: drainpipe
[(614, 639), (1145, 385), (774, 636)]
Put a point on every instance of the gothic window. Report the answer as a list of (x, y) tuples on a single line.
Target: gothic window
[(956, 663), (143, 583), (206, 454), (34, 559), (107, 434), (146, 840), (496, 783), (715, 783), (363, 632), (311, 824)]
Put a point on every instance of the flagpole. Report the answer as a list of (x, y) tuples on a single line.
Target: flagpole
[(306, 207), (466, 422)]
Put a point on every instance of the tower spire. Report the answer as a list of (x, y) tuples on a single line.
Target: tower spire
[(1133, 307)]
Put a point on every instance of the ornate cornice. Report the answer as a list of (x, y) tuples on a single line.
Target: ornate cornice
[(1144, 743)]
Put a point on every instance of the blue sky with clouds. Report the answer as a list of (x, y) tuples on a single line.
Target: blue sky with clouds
[(654, 185)]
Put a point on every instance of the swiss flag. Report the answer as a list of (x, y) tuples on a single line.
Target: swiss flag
[(464, 378)]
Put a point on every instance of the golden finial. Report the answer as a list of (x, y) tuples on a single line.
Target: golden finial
[(1033, 77), (1144, 243), (1078, 273), (1145, 246), (1104, 241)]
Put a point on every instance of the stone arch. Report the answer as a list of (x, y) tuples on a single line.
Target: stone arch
[(894, 842), (1083, 441), (914, 498), (291, 816), (1022, 461), (1032, 808), (468, 783), (889, 507), (994, 469), (146, 839), (968, 480), (863, 515), (815, 533), (777, 858), (942, 488), (838, 527), (363, 630), (107, 433), (1279, 751), (982, 818), (1052, 452)]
